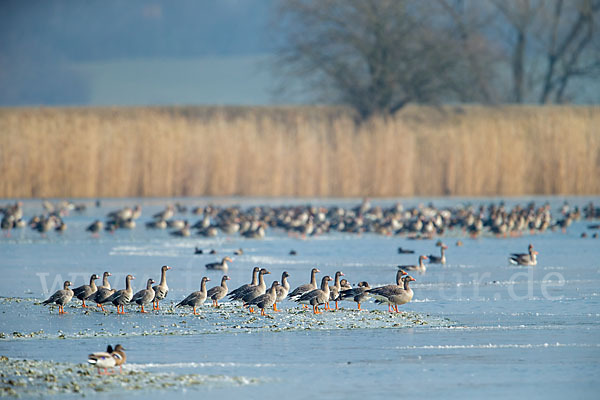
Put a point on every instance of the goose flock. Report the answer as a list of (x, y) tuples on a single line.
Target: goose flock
[(257, 294), (421, 222)]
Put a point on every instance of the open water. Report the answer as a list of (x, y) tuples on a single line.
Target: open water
[(477, 327)]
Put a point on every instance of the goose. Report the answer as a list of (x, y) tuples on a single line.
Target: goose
[(395, 295), (282, 290), (243, 288), (85, 291), (529, 258), (255, 291), (317, 297), (61, 297), (300, 290), (123, 296), (441, 259), (161, 290), (103, 293), (420, 267), (357, 294), (265, 300), (334, 290), (218, 292), (144, 296), (196, 299), (219, 265)]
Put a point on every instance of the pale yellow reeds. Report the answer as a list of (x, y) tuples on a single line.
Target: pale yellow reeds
[(298, 151)]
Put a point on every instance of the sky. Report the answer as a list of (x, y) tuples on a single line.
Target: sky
[(136, 52)]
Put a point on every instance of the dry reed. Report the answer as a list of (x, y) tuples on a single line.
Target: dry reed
[(302, 151)]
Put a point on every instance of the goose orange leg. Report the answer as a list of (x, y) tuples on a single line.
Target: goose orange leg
[(195, 313), (389, 307), (102, 307), (336, 305), (275, 307), (142, 311), (396, 307), (262, 312), (358, 306), (83, 305)]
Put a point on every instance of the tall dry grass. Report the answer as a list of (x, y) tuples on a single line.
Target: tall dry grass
[(302, 151)]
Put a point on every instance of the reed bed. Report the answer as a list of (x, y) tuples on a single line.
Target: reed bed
[(298, 151)]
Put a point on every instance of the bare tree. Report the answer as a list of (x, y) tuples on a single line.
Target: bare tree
[(557, 34), (374, 55), (378, 55)]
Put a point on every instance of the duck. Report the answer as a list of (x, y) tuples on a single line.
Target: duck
[(334, 290), (238, 252), (198, 250), (123, 296), (84, 291), (441, 259), (222, 266), (197, 298), (218, 292), (265, 300), (420, 267), (282, 290), (120, 357), (405, 251), (316, 297), (103, 360), (144, 296), (61, 297), (526, 259), (244, 287), (161, 290), (300, 290), (358, 294), (394, 294)]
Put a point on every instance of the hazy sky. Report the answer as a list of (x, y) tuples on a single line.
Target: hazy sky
[(134, 52)]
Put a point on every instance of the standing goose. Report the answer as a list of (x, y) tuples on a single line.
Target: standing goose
[(300, 290), (144, 296), (222, 266), (85, 291), (420, 267), (123, 296), (441, 259), (196, 299), (61, 297), (357, 294), (334, 290), (399, 283), (317, 297), (218, 292), (161, 289), (255, 291), (103, 293), (105, 282), (282, 290), (394, 294), (529, 258), (265, 300), (243, 288)]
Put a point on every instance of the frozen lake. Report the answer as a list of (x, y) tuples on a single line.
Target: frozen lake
[(477, 327)]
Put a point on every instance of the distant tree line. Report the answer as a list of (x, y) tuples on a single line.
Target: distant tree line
[(379, 55)]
